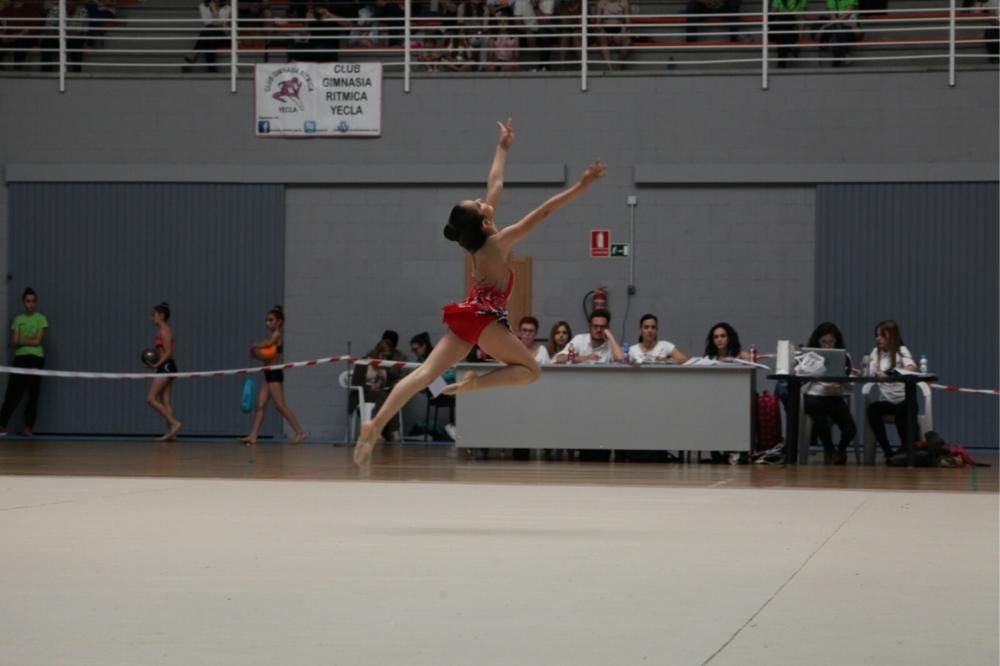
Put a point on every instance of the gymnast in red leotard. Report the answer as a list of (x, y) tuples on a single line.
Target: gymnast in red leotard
[(482, 317)]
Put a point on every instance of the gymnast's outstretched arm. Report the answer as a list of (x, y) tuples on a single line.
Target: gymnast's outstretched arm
[(515, 232)]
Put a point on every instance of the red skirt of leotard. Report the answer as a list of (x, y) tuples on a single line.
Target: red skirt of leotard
[(484, 304)]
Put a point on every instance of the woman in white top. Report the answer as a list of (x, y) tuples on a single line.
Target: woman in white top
[(890, 354), (527, 329), (651, 349), (825, 403), (723, 344), (559, 336), (612, 15), (215, 19)]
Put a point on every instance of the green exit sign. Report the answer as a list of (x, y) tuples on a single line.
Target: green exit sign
[(619, 249)]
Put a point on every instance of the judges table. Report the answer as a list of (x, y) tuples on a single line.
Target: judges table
[(648, 407), (799, 453)]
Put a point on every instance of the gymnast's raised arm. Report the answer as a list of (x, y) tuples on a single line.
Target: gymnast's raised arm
[(494, 185)]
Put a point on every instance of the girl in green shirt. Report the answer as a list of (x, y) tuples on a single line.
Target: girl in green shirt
[(27, 332)]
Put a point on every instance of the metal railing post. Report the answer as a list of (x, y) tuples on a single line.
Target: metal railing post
[(233, 45), (62, 45), (583, 46), (763, 45), (407, 15), (951, 43)]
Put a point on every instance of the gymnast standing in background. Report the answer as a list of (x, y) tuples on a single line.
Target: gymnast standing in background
[(161, 388), (269, 351)]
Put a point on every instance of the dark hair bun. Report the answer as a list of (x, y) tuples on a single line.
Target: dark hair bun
[(278, 308), (450, 232), (164, 304)]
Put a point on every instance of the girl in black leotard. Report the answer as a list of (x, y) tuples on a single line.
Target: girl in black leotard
[(161, 388), (274, 380)]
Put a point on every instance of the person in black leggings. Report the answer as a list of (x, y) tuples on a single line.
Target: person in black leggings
[(269, 351), (27, 332)]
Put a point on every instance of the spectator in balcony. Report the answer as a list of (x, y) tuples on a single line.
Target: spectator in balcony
[(545, 11), (215, 15), (696, 8), (5, 40), (569, 26), (596, 346), (503, 45), (459, 55), (650, 348), (255, 22), (325, 31), (23, 20), (100, 12), (723, 344), (559, 337), (524, 24), (991, 34), (785, 20), (612, 30), (388, 17), (76, 36), (839, 28), (430, 49), (527, 329)]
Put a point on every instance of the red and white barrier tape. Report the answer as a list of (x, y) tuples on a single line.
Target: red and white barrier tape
[(942, 387), (379, 363), (71, 374)]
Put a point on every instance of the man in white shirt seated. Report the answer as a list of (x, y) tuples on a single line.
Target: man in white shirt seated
[(596, 346)]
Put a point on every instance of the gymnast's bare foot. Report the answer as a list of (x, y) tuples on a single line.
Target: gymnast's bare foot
[(461, 385), (366, 442), (298, 439), (248, 440), (171, 434)]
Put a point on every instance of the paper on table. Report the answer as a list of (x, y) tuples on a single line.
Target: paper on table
[(701, 361), (437, 386)]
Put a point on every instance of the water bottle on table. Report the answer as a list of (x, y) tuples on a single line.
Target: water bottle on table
[(923, 364)]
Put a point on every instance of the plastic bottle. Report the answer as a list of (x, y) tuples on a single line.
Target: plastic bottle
[(571, 352), (625, 348), (866, 369), (923, 364), (753, 353)]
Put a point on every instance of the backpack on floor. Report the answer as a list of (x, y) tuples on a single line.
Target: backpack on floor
[(768, 421)]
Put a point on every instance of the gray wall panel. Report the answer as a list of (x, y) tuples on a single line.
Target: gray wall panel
[(924, 255), (101, 256)]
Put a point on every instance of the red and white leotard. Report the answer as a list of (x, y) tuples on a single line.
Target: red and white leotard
[(484, 304)]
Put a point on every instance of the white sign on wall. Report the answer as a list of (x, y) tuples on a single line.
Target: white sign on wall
[(308, 99)]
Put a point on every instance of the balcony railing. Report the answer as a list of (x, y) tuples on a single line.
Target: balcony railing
[(579, 45)]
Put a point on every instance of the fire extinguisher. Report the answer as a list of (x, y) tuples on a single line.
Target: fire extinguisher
[(598, 300)]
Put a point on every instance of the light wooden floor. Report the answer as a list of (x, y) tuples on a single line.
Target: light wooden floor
[(229, 460), (215, 554)]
